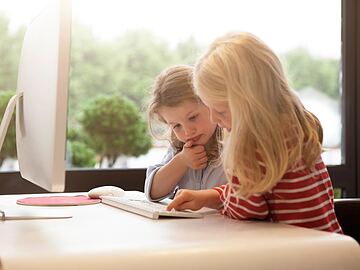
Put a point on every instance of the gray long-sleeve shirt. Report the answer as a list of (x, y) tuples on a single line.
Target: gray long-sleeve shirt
[(209, 177)]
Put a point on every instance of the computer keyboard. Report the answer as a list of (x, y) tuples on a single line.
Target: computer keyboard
[(146, 208)]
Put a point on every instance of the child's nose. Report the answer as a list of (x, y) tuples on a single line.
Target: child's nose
[(190, 130)]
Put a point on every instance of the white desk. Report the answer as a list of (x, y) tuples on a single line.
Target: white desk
[(102, 237)]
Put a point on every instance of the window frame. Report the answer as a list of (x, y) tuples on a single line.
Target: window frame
[(355, 19), (344, 176)]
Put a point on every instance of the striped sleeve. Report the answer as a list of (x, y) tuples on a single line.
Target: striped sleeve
[(253, 207), (304, 197)]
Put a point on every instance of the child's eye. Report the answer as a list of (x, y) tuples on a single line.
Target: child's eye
[(176, 126), (192, 118)]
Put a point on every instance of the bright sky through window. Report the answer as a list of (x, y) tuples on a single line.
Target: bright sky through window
[(282, 24)]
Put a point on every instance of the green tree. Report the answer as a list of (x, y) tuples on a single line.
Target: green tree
[(305, 70), (79, 153), (82, 155), (115, 127), (8, 149)]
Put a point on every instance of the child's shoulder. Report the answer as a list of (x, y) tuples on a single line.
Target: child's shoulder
[(301, 169)]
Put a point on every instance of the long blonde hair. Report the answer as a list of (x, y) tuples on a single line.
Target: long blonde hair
[(271, 131), (173, 87)]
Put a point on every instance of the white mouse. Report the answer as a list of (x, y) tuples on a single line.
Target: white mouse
[(106, 191)]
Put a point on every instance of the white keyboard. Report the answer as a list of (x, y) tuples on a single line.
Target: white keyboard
[(146, 208)]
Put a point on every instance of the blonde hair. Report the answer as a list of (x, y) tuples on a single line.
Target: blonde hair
[(173, 87), (271, 131)]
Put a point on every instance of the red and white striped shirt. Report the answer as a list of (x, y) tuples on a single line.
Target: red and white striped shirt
[(302, 197)]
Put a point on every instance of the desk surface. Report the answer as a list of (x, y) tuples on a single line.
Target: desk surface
[(103, 237)]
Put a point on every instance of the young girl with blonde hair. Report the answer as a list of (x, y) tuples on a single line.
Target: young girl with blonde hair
[(193, 159), (272, 152)]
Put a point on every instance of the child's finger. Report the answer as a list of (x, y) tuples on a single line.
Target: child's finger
[(171, 205), (177, 202), (203, 160), (199, 149), (188, 144), (203, 165), (184, 206)]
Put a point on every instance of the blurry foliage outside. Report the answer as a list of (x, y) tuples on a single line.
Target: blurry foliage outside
[(114, 127), (110, 82)]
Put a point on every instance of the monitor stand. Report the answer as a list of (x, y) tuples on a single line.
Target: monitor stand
[(7, 116)]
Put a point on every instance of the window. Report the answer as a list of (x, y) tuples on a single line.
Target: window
[(120, 48)]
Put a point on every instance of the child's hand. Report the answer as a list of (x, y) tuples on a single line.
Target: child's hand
[(195, 200), (187, 199), (194, 156)]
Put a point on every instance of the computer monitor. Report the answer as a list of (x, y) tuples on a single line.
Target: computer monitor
[(41, 98)]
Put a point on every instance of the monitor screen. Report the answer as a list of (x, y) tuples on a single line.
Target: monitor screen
[(41, 112)]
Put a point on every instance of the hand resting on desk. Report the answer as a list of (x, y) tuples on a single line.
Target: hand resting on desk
[(186, 199)]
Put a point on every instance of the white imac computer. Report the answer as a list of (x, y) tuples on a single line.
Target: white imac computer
[(41, 98)]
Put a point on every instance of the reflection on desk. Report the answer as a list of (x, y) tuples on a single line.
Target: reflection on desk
[(103, 237)]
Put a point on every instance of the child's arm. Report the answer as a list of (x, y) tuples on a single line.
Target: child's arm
[(195, 200), (236, 207), (152, 170), (166, 178), (254, 207)]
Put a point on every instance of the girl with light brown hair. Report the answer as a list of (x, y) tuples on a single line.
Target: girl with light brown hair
[(193, 158)]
